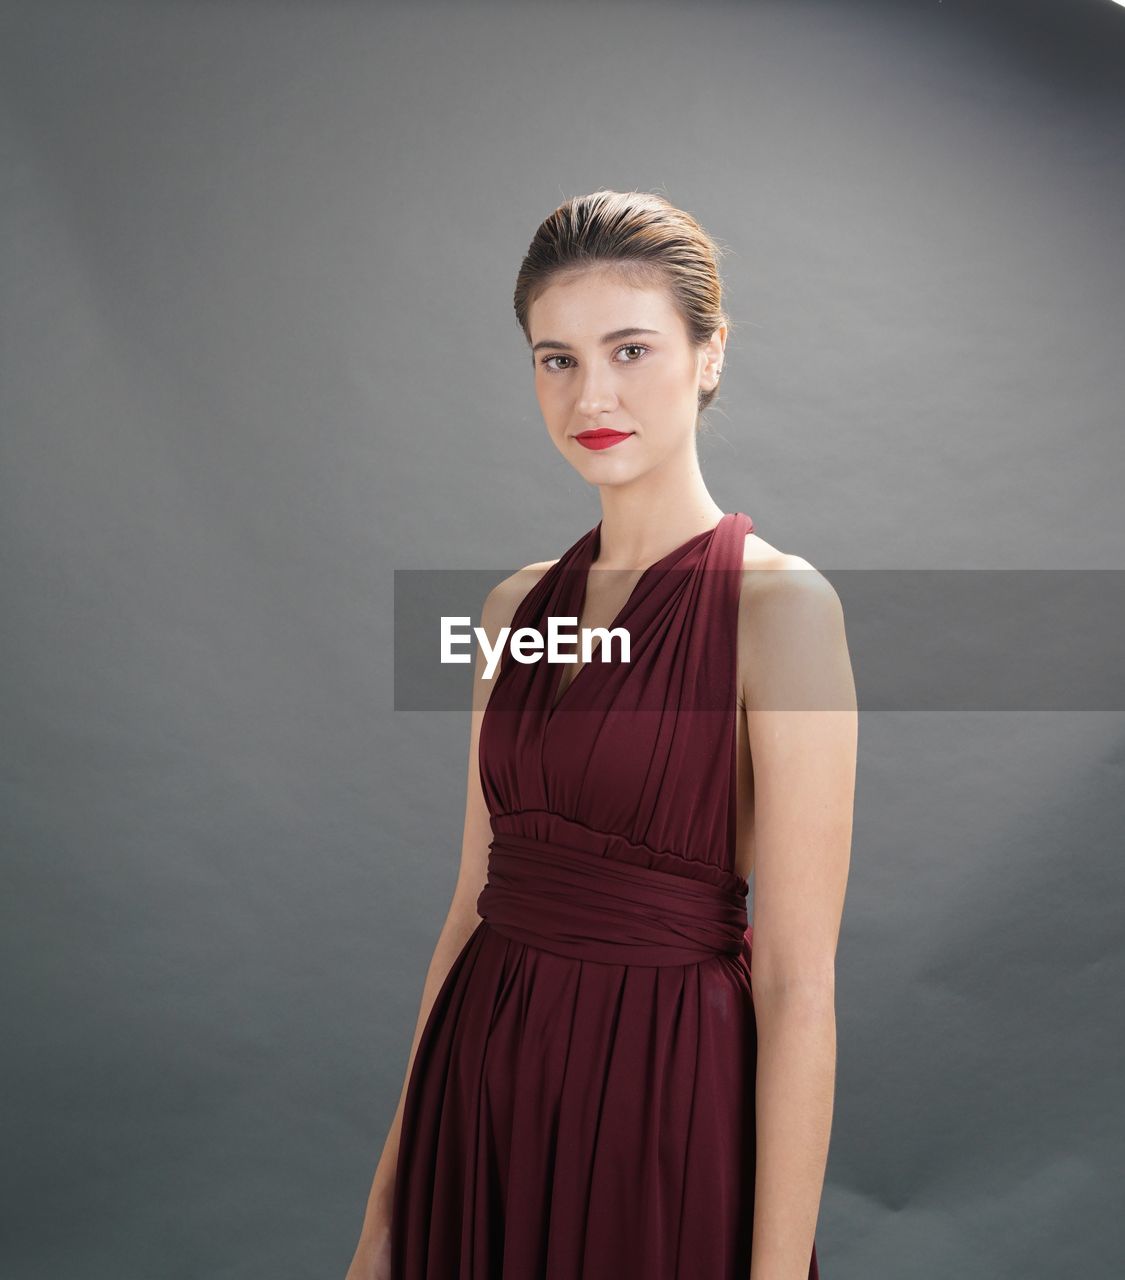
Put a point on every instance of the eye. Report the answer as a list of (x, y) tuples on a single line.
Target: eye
[(629, 346)]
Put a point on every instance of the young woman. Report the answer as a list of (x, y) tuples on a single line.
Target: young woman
[(596, 1086)]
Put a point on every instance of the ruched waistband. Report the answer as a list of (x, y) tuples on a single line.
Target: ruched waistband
[(590, 907)]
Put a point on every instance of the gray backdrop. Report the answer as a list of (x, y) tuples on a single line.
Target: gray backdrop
[(259, 352)]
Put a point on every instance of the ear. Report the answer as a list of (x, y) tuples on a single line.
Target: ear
[(714, 351)]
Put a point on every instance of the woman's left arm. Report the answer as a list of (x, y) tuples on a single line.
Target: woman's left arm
[(800, 705)]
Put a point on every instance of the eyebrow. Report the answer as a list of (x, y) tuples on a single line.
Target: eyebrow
[(615, 336)]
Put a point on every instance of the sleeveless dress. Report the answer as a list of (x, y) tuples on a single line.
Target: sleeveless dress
[(581, 1103)]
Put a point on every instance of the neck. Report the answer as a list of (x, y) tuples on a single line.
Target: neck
[(643, 521)]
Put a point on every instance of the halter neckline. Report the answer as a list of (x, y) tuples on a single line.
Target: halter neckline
[(589, 547)]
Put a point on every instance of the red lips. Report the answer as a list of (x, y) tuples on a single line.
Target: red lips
[(602, 438)]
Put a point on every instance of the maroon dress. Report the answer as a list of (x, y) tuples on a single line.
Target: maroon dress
[(581, 1104)]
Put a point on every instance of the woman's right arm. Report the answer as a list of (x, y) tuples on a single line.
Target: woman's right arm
[(372, 1255)]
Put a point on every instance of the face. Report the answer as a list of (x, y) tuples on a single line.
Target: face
[(611, 355)]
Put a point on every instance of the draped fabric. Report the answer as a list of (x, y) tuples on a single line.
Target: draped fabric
[(581, 1104)]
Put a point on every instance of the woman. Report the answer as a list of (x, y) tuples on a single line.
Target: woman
[(594, 1089)]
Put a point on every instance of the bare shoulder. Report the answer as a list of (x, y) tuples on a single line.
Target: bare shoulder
[(504, 599), (776, 578), (793, 649)]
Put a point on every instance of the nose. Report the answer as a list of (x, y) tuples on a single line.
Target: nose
[(596, 394)]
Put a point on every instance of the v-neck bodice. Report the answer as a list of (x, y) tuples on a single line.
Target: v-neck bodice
[(640, 754), (577, 576)]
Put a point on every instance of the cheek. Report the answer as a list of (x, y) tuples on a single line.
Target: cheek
[(665, 386), (554, 413), (551, 402)]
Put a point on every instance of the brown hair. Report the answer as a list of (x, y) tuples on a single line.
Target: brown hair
[(644, 237)]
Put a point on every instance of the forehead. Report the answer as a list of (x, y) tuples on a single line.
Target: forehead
[(582, 305)]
